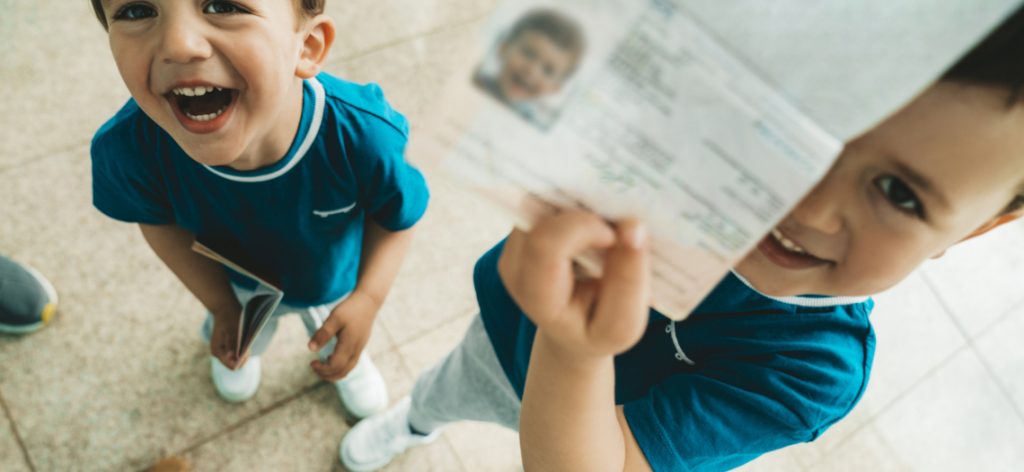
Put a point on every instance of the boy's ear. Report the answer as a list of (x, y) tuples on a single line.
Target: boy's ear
[(319, 37), (989, 226)]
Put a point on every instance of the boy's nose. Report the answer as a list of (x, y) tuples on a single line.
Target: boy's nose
[(819, 210), (183, 42)]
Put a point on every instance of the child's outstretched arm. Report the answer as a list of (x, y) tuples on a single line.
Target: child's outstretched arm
[(352, 320), (569, 418), (206, 280)]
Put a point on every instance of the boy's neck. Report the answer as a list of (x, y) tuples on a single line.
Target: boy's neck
[(272, 147)]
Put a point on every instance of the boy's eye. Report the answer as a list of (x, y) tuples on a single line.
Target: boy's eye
[(900, 195), (223, 8), (134, 12)]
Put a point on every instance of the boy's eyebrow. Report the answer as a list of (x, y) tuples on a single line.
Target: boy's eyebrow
[(920, 181)]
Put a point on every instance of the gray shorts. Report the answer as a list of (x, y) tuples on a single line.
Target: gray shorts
[(468, 384)]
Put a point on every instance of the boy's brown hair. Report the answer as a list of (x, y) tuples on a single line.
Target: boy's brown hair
[(998, 61), (308, 8)]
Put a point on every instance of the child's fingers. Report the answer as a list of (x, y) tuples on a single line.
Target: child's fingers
[(334, 368), (541, 278), (328, 331), (620, 314)]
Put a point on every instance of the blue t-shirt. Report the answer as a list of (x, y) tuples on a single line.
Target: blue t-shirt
[(743, 375), (298, 223)]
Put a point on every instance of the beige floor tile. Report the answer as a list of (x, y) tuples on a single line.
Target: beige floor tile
[(1001, 349), (412, 73), (56, 57), (436, 282), (957, 419), (485, 447), (365, 25), (422, 353), (864, 451), (13, 459), (980, 279), (304, 435)]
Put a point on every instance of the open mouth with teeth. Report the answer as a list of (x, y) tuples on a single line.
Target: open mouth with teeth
[(788, 253), (201, 105)]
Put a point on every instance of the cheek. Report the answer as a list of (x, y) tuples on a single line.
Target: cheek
[(131, 66), (877, 265)]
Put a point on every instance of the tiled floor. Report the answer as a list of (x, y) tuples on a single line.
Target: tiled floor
[(120, 379)]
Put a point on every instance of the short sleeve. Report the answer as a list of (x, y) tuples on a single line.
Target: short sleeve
[(730, 413), (126, 184), (391, 191)]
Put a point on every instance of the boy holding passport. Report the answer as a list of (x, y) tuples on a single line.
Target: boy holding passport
[(779, 351), (234, 137)]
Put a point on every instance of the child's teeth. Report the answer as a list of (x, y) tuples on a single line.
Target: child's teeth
[(196, 91), (787, 243), (206, 117)]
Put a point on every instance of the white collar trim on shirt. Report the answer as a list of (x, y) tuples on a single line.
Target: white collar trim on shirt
[(314, 129), (806, 301)]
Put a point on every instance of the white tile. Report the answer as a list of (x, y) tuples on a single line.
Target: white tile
[(957, 419), (980, 279), (808, 454), (914, 334), (775, 461), (864, 451), (1002, 348)]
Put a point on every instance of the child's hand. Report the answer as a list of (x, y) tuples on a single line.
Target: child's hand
[(584, 318), (224, 340), (351, 322)]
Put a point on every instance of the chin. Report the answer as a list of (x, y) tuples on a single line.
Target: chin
[(212, 158), (760, 275)]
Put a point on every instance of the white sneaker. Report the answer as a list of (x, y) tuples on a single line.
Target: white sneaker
[(375, 441), (363, 391), (236, 385)]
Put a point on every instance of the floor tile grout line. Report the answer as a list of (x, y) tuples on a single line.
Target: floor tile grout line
[(255, 416), (43, 156), (433, 329), (945, 306), (960, 327), (17, 434), (1003, 389), (1009, 312), (456, 455), (447, 440)]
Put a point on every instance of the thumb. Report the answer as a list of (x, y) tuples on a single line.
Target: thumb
[(620, 315)]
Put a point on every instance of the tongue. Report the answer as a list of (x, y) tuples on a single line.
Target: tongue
[(212, 102)]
